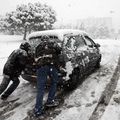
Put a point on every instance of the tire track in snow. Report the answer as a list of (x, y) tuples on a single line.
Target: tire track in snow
[(107, 94)]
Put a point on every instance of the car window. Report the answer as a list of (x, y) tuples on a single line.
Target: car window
[(38, 39), (79, 41), (73, 42), (89, 41), (35, 41)]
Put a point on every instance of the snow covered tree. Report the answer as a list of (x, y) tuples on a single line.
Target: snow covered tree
[(31, 17), (3, 24)]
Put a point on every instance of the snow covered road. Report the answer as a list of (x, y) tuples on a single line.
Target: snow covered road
[(79, 104)]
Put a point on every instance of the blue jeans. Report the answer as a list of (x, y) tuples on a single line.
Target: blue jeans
[(42, 73)]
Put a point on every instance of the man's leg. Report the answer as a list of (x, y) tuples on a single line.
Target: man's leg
[(4, 84), (12, 87), (41, 81), (53, 87)]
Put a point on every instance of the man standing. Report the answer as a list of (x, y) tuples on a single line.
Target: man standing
[(12, 69), (47, 59)]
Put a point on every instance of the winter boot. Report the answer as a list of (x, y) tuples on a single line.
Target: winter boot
[(53, 103)]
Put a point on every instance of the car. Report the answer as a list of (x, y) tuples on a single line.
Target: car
[(81, 55)]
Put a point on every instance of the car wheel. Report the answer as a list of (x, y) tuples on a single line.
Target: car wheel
[(98, 63), (72, 83)]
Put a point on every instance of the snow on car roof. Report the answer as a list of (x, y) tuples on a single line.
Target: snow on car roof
[(56, 32)]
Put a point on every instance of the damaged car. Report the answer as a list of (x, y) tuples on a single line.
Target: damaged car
[(80, 55)]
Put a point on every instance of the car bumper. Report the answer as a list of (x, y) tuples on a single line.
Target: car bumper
[(30, 78)]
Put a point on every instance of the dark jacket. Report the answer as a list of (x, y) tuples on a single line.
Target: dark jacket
[(16, 63), (48, 53)]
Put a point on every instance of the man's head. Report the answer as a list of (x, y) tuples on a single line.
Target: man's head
[(45, 38), (25, 46)]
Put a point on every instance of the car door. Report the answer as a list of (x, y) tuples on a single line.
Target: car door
[(76, 52), (68, 48), (82, 54), (93, 51)]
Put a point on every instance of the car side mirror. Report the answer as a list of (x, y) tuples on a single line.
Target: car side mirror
[(97, 45)]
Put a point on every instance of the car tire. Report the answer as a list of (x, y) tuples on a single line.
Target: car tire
[(72, 83), (98, 63)]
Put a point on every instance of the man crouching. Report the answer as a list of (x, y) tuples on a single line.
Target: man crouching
[(12, 69)]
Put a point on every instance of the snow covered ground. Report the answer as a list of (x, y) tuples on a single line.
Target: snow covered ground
[(80, 103)]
